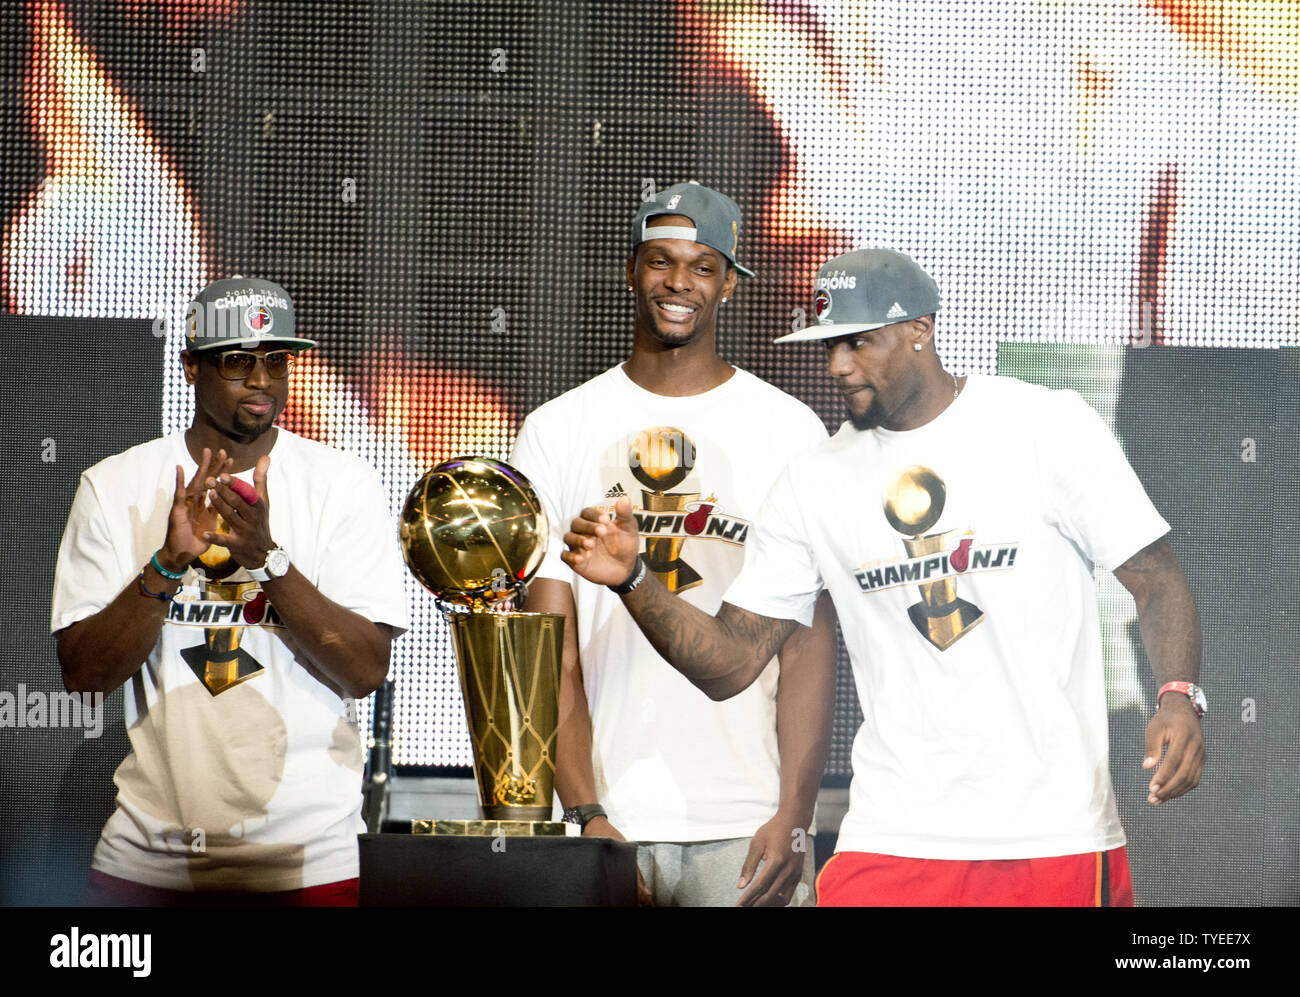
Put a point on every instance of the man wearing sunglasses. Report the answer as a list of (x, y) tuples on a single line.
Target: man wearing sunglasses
[(245, 582)]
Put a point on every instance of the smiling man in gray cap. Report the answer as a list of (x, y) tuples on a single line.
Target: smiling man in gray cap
[(246, 583), (709, 790), (955, 523)]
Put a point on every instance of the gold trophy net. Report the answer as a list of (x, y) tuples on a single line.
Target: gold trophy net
[(508, 676)]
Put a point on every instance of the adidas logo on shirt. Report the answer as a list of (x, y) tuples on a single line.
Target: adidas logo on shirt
[(615, 492)]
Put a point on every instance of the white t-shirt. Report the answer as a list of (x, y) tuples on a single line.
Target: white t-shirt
[(245, 770), (670, 764), (995, 747)]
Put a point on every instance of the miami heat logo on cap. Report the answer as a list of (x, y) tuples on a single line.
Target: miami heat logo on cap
[(822, 303), (673, 201), (259, 320)]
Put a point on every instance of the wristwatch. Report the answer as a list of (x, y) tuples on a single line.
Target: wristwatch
[(584, 814), (1193, 692), (276, 566)]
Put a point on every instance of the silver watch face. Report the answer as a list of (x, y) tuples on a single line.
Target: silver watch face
[(1198, 699), (277, 562)]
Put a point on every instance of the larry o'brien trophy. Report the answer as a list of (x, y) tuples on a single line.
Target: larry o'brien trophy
[(473, 533), (913, 502)]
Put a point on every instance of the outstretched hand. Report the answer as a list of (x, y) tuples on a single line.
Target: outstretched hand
[(601, 549)]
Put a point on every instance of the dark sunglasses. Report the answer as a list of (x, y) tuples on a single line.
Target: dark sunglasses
[(235, 365)]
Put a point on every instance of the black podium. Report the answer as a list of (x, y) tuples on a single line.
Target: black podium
[(422, 870)]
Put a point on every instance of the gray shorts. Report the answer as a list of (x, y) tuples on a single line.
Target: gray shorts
[(704, 873)]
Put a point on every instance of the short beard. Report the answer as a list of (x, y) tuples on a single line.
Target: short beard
[(242, 431), (869, 419)]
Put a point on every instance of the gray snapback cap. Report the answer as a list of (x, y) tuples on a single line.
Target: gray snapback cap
[(244, 313), (716, 218), (864, 290)]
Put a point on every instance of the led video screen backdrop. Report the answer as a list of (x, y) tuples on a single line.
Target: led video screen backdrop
[(1214, 435), (444, 189)]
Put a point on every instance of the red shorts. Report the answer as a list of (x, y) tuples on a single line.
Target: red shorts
[(109, 891), (865, 879)]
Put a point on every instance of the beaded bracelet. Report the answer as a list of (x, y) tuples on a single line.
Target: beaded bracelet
[(160, 596)]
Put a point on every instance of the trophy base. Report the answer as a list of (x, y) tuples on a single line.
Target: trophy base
[(491, 828), (944, 631), (677, 576), (217, 677)]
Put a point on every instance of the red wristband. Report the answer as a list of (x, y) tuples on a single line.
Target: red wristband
[(1194, 693)]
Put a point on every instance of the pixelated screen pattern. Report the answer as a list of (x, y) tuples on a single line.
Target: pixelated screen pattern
[(444, 190), (1211, 434)]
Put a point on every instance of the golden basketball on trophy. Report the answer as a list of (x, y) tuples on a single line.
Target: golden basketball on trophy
[(473, 532), (661, 458), (914, 500)]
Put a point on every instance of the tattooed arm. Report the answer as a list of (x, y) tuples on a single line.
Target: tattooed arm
[(721, 655), (1171, 635)]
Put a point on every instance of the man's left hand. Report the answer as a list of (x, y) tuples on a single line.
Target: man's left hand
[(774, 844), (1176, 730), (248, 525)]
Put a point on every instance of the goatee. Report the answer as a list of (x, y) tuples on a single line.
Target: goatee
[(869, 419)]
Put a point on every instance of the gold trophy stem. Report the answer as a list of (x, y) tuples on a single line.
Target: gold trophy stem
[(941, 616), (664, 556), (221, 663)]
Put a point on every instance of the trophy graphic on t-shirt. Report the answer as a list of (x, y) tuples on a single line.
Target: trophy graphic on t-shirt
[(219, 662), (660, 459), (913, 502)]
